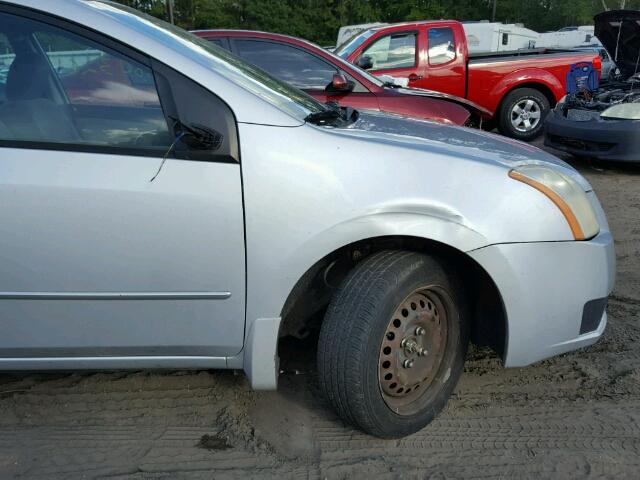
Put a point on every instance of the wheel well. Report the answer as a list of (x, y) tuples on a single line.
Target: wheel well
[(546, 91), (304, 309)]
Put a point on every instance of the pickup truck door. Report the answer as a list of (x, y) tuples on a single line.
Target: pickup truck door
[(302, 69), (445, 60), (396, 54), (107, 249)]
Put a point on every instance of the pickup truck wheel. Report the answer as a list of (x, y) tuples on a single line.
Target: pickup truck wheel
[(522, 113), (393, 343)]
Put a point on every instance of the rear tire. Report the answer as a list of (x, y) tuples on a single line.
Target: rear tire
[(522, 114), (393, 343)]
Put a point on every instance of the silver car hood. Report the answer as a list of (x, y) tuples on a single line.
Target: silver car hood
[(453, 141)]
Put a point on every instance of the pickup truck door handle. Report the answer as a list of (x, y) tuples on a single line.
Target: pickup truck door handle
[(413, 77)]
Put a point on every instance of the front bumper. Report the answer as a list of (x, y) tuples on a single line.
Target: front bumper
[(551, 292), (604, 139)]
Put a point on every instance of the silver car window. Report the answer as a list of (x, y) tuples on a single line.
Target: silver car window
[(60, 87)]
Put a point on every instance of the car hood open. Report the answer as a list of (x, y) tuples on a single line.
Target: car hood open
[(619, 32)]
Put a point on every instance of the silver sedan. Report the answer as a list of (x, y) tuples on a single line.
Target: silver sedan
[(165, 205)]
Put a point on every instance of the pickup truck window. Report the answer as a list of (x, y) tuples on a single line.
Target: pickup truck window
[(393, 51), (292, 65), (442, 46)]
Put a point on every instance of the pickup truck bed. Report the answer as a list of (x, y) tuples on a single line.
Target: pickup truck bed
[(491, 77), (517, 53)]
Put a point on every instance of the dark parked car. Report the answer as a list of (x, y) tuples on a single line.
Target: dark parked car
[(605, 123), (328, 78)]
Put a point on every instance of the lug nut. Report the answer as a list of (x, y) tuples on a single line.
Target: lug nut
[(420, 331), (408, 364), (422, 352)]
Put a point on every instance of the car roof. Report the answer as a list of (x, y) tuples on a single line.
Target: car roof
[(416, 23), (236, 32)]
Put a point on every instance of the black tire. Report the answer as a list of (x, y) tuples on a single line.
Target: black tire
[(354, 331), (506, 113)]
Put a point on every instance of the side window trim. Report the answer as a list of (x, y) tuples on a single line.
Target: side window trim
[(81, 148), (415, 33)]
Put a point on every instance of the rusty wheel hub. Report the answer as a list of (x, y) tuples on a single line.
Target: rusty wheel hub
[(412, 350)]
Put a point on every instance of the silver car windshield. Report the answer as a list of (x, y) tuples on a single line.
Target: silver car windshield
[(289, 99)]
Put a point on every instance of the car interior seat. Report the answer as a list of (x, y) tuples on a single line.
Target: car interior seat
[(30, 112)]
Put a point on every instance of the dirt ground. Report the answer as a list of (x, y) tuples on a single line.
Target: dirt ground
[(575, 416)]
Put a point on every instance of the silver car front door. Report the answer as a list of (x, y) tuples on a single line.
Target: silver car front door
[(121, 221)]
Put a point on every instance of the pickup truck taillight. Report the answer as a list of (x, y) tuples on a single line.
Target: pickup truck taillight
[(597, 64)]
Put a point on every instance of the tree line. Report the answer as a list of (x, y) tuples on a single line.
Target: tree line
[(319, 20)]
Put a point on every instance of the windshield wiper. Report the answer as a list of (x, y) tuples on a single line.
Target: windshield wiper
[(333, 115), (391, 85)]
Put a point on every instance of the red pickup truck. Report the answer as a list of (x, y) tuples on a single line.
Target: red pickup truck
[(518, 87)]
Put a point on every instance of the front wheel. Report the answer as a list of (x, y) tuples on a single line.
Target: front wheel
[(522, 114), (393, 343)]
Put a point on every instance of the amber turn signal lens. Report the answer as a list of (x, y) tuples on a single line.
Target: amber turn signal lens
[(574, 225)]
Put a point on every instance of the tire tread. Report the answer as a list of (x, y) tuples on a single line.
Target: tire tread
[(349, 321)]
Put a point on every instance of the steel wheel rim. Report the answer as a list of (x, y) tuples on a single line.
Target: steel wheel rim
[(526, 115), (412, 351)]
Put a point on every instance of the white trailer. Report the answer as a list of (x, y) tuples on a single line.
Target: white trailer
[(486, 36), (569, 37)]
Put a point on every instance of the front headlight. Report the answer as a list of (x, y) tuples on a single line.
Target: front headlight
[(623, 111), (565, 193)]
